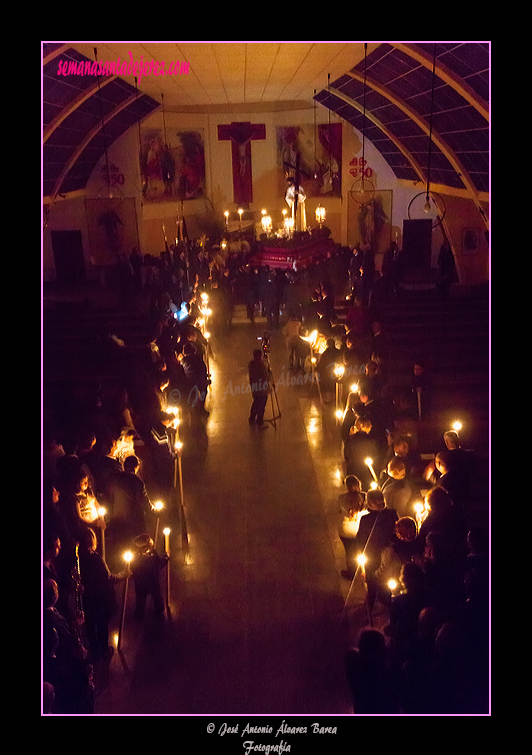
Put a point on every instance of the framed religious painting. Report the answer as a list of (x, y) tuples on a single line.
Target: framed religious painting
[(172, 168), (470, 240), (318, 154)]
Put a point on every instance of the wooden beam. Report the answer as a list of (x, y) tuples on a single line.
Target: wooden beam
[(446, 75), (75, 103), (424, 126)]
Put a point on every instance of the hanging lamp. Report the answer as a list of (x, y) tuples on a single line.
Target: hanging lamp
[(363, 189), (428, 194), (107, 193)]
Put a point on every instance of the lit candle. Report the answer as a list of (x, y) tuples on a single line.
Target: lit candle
[(421, 510), (240, 211), (369, 463), (226, 213), (361, 561), (166, 533), (457, 426), (354, 388), (392, 584), (351, 525)]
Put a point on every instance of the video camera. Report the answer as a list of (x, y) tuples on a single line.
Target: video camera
[(265, 338)]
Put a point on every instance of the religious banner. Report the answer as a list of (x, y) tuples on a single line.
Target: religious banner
[(241, 134), (112, 229), (320, 159), (173, 169), (369, 225)]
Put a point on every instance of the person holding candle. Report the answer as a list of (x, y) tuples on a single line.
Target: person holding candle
[(79, 506), (197, 379), (145, 568), (375, 533), (360, 445), (131, 505), (99, 600), (402, 549), (441, 517), (405, 609), (396, 488), (351, 507)]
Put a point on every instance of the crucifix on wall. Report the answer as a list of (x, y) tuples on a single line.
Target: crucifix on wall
[(241, 135)]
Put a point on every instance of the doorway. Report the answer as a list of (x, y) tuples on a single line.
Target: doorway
[(67, 250), (417, 245)]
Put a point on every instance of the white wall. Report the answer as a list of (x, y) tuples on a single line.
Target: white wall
[(267, 187)]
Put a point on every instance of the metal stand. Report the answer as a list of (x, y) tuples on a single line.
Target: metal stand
[(276, 409)]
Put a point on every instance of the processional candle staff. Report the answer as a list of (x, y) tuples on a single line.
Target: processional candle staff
[(128, 557), (158, 506), (418, 392), (101, 516), (338, 373), (166, 533), (178, 445), (240, 211)]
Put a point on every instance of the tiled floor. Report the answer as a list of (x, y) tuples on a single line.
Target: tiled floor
[(255, 614)]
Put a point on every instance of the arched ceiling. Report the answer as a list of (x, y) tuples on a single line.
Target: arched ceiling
[(84, 114)]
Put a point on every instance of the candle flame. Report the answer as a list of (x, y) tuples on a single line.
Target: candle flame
[(128, 556)]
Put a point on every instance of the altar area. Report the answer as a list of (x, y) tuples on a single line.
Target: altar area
[(295, 253)]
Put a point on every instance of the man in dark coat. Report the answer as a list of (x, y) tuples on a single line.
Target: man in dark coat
[(259, 381), (196, 376)]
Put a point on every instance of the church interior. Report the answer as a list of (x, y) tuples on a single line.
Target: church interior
[(321, 209)]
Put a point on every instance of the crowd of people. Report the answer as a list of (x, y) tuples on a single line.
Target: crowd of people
[(96, 503)]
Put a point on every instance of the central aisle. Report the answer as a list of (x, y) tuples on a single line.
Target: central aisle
[(255, 612)]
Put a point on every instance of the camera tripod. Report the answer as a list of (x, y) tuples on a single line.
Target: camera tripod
[(276, 409)]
